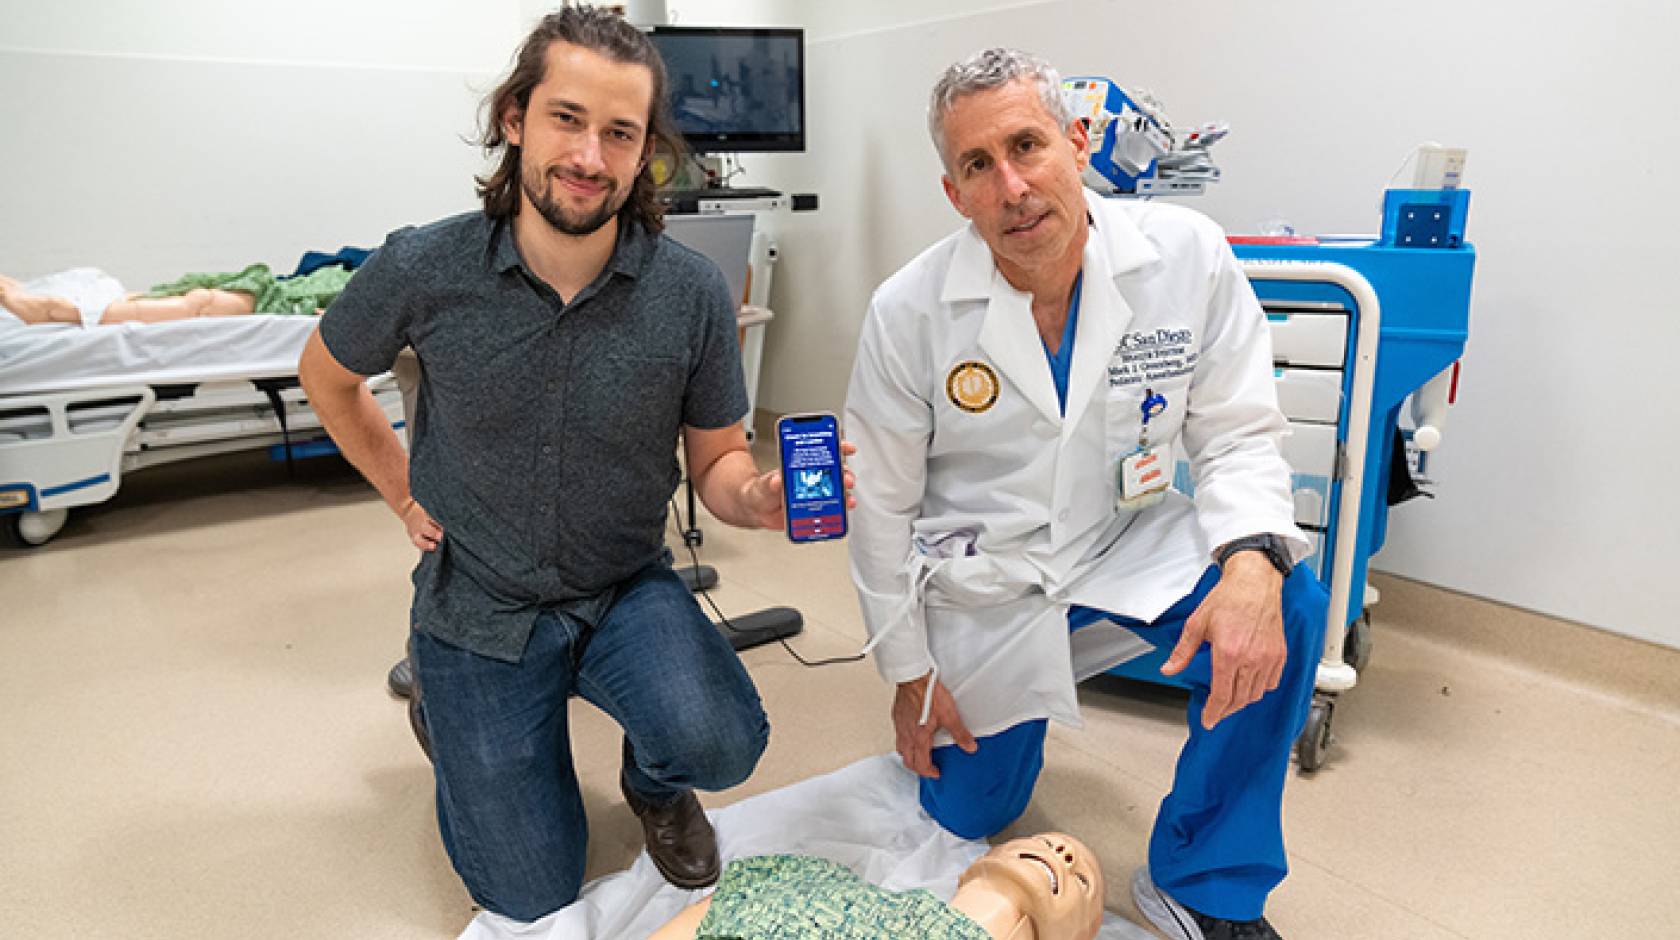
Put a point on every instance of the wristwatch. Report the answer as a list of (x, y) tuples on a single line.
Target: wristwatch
[(1267, 543)]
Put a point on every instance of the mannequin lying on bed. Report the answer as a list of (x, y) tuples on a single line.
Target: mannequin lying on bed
[(1045, 887), (89, 296)]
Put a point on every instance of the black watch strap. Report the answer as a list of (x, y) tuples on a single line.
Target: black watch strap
[(1272, 546)]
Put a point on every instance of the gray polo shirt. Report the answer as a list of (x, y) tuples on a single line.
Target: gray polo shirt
[(545, 438)]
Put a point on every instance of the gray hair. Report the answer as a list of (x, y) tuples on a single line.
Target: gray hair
[(988, 69)]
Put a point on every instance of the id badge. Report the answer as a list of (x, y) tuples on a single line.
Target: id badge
[(1144, 476)]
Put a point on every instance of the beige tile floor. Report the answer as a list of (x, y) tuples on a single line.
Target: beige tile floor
[(197, 741)]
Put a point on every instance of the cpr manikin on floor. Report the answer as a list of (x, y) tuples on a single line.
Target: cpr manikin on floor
[(1044, 887)]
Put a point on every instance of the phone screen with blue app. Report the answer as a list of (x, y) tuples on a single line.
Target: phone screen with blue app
[(813, 484)]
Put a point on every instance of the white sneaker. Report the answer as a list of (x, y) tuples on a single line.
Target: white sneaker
[(1178, 922)]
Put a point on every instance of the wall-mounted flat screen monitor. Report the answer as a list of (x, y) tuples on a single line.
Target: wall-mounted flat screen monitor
[(736, 89)]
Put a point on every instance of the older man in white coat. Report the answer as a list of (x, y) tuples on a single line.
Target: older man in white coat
[(1021, 393)]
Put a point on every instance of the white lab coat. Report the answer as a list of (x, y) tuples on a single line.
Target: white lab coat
[(976, 529)]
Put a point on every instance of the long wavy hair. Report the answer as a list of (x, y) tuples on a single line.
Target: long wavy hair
[(604, 32)]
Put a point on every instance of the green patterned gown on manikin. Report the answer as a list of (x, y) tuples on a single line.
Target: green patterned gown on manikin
[(295, 295), (799, 897)]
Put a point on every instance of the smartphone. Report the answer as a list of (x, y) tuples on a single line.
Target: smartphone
[(813, 484)]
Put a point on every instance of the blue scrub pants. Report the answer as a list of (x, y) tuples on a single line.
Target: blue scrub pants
[(1217, 846)]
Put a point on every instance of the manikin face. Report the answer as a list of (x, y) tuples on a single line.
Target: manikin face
[(583, 137), (1015, 174), (1058, 879)]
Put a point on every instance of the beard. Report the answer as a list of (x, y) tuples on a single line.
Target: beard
[(539, 188)]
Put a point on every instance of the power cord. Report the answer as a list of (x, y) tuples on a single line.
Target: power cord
[(724, 621)]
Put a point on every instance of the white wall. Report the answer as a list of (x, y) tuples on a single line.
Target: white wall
[(154, 138), (430, 34), (869, 160), (1556, 489)]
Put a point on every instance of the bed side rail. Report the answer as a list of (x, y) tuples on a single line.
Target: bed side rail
[(64, 449)]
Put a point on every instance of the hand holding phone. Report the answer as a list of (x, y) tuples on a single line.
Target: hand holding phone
[(813, 480)]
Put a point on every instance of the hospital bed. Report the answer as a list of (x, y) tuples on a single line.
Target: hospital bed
[(82, 407)]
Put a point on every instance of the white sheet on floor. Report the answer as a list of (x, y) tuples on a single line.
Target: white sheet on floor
[(865, 816)]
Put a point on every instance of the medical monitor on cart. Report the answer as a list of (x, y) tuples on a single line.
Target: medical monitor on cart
[(736, 89)]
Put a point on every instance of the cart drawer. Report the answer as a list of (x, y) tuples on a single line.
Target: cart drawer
[(1310, 450), (1308, 338), (1309, 394)]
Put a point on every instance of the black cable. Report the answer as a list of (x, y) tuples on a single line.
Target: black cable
[(724, 621)]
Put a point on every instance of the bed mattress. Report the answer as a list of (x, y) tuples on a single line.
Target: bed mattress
[(69, 357)]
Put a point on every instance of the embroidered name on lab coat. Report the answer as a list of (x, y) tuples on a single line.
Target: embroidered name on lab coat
[(972, 386), (1152, 356)]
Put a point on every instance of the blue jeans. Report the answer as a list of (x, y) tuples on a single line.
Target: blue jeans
[(508, 804), (1217, 845)]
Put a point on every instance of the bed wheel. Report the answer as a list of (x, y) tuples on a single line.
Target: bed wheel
[(34, 529), (1315, 737), (1356, 648)]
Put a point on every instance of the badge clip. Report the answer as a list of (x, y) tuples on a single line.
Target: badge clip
[(1145, 474)]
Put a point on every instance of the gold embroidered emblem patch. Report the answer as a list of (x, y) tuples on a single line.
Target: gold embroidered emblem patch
[(972, 386)]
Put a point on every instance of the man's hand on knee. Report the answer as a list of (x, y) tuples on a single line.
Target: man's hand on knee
[(1242, 620), (915, 738)]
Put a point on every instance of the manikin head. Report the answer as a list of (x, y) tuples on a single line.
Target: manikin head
[(1053, 879)]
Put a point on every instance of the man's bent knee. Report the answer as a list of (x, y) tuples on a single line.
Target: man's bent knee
[(970, 816), (732, 754), (521, 863), (709, 757)]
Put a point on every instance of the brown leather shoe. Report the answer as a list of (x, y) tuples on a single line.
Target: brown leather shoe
[(417, 721), (400, 680), (679, 839)]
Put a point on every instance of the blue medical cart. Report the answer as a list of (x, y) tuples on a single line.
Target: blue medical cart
[(1357, 327)]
